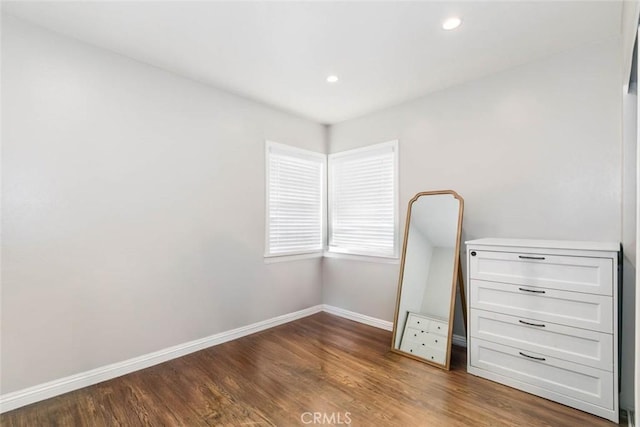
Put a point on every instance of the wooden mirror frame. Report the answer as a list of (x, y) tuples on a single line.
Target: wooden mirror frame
[(456, 280)]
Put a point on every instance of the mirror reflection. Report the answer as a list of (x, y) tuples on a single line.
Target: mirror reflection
[(427, 284)]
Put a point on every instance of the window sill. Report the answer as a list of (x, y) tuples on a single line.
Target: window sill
[(272, 259), (365, 258)]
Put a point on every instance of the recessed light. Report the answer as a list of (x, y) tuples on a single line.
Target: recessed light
[(332, 79), (451, 23)]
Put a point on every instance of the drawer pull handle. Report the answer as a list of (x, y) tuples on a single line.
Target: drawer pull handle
[(539, 258), (531, 290), (542, 359), (540, 325)]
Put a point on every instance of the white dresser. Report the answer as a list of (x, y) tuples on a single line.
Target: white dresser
[(425, 337), (543, 318)]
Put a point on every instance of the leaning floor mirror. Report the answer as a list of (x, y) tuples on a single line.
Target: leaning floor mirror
[(429, 274)]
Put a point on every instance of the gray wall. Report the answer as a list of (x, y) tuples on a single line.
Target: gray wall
[(535, 151), (437, 293), (416, 271), (133, 209)]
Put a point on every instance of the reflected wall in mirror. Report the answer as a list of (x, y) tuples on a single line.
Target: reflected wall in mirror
[(428, 276)]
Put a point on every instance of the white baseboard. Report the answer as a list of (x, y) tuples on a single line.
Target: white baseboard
[(50, 389), (361, 318), (458, 340), (17, 399)]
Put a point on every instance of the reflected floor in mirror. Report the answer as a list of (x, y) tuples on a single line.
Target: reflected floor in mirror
[(286, 376)]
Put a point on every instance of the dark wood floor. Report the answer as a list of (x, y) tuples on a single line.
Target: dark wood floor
[(321, 364)]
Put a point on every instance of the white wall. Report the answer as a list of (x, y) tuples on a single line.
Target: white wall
[(133, 199), (535, 151), (133, 209)]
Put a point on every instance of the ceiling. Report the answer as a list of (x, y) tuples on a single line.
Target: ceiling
[(280, 53)]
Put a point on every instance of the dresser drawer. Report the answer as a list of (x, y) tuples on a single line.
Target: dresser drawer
[(427, 324), (428, 339), (414, 334), (418, 322), (422, 350), (439, 328), (587, 311), (568, 273), (581, 346), (558, 376), (436, 342)]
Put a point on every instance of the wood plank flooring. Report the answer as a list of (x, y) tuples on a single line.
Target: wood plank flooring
[(320, 370)]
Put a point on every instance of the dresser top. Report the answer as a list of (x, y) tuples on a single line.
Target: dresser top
[(548, 244)]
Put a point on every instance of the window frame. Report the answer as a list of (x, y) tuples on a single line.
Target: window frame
[(294, 151), (366, 255)]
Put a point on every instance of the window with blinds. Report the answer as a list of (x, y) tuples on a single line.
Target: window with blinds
[(363, 213), (295, 198)]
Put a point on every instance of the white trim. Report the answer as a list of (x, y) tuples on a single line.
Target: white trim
[(271, 259), (396, 171), (57, 387), (297, 151), (347, 153), (366, 258), (458, 340), (360, 318), (37, 393)]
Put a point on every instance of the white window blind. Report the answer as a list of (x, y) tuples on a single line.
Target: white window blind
[(295, 200), (363, 201)]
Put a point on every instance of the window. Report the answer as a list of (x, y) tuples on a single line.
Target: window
[(363, 213), (295, 200)]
